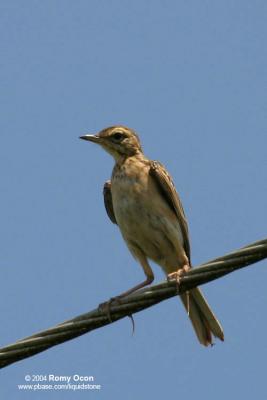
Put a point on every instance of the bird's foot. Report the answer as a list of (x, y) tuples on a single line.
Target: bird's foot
[(177, 275), (105, 307)]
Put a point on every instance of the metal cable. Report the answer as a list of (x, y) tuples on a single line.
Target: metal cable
[(134, 303)]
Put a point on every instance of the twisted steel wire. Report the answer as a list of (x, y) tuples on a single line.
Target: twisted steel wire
[(134, 303)]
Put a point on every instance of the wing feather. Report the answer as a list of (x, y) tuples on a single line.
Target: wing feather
[(108, 201), (167, 189)]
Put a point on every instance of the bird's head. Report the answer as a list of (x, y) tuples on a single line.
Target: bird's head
[(119, 141)]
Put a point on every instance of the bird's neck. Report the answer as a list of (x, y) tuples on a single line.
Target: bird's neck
[(129, 168), (121, 159)]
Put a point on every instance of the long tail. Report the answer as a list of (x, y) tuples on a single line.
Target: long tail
[(203, 320)]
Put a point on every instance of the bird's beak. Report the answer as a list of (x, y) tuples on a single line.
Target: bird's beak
[(91, 138)]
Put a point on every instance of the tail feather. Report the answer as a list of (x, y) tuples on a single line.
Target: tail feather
[(203, 320)]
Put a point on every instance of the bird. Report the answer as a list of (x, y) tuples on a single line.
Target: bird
[(142, 200)]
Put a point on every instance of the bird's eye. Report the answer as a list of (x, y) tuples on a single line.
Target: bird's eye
[(118, 136)]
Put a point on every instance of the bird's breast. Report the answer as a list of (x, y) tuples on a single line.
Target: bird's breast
[(129, 196), (144, 217)]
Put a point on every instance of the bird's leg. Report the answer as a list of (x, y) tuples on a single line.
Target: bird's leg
[(149, 279), (177, 277), (116, 300)]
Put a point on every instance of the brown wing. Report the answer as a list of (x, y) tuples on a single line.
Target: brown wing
[(108, 201), (167, 189)]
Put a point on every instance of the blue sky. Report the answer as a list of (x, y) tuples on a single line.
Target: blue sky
[(190, 77)]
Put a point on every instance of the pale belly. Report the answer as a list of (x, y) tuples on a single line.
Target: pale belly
[(147, 223)]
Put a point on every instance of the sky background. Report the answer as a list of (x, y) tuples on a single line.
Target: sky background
[(190, 77)]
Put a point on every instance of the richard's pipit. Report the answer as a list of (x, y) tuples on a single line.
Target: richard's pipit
[(141, 199)]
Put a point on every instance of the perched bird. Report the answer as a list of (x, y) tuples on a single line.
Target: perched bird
[(141, 199)]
